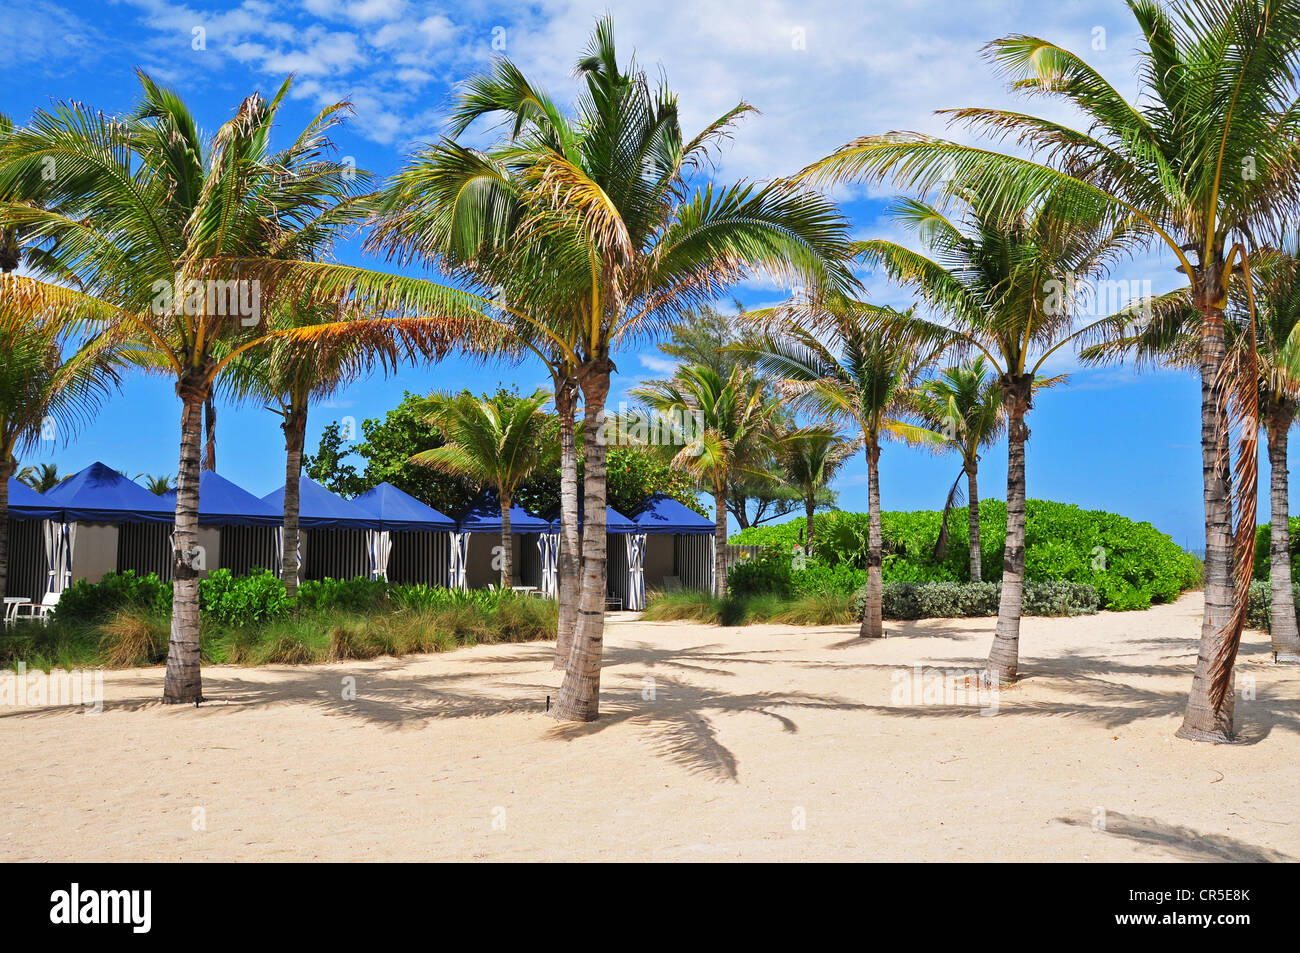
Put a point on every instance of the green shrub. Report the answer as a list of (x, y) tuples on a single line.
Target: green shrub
[(92, 602), (240, 601), (1130, 565), (952, 600), (1259, 612), (344, 595), (768, 572)]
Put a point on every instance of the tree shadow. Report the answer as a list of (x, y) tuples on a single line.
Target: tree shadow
[(1183, 842)]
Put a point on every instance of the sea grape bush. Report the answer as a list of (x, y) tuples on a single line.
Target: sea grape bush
[(955, 600), (1129, 565)]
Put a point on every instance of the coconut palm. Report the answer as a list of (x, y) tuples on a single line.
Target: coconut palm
[(847, 371), (288, 374), (1206, 160), (964, 403), (726, 435), (42, 477), (630, 244), (158, 485), (809, 459), (1004, 290), (497, 441), (174, 240), (43, 394)]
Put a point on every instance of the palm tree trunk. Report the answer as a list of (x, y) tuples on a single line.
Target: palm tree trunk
[(809, 508), (579, 698), (1203, 720), (7, 467), (210, 428), (720, 543), (295, 434), (1285, 632), (873, 626), (507, 550), (566, 400), (1004, 658), (973, 508), (183, 683)]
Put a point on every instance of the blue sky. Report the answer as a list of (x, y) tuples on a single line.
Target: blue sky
[(820, 74)]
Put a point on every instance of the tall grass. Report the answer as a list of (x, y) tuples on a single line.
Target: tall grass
[(417, 619), (827, 608)]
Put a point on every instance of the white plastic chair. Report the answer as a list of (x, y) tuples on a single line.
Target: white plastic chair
[(38, 610)]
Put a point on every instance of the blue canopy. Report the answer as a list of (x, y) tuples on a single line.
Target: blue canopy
[(484, 516), (99, 494), (318, 508), (26, 504), (663, 514), (222, 503), (398, 510), (615, 522)]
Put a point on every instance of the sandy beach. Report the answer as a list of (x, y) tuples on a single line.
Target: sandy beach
[(755, 743)]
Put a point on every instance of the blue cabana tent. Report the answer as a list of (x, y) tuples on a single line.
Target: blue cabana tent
[(335, 527), (398, 510), (26, 504), (415, 554), (625, 579), (484, 518), (663, 514), (674, 545), (223, 503), (318, 508), (615, 522), (99, 494)]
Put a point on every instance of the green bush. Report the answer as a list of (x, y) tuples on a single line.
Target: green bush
[(93, 602), (1130, 565), (345, 595), (241, 601), (953, 600), (1259, 612), (1264, 541)]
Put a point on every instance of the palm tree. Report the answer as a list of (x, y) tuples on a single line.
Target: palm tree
[(1206, 160), (608, 204), (42, 477), (288, 374), (42, 393), (158, 485), (1004, 288), (173, 240), (734, 416), (497, 441), (964, 403), (847, 371), (810, 458)]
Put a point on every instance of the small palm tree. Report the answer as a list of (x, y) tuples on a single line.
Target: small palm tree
[(42, 477), (964, 403), (158, 485), (497, 441), (734, 416), (848, 371), (810, 458), (43, 394)]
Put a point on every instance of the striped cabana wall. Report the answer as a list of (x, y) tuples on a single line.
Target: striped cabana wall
[(26, 573), (693, 559), (419, 558)]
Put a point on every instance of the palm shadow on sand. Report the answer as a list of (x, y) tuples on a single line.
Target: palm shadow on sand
[(1178, 842)]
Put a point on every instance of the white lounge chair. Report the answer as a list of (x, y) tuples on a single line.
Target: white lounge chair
[(38, 610)]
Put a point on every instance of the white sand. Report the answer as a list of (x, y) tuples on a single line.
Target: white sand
[(449, 757)]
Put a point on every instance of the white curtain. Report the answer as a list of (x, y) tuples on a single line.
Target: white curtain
[(548, 544), (635, 543), (59, 541), (279, 552), (459, 557), (379, 545)]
